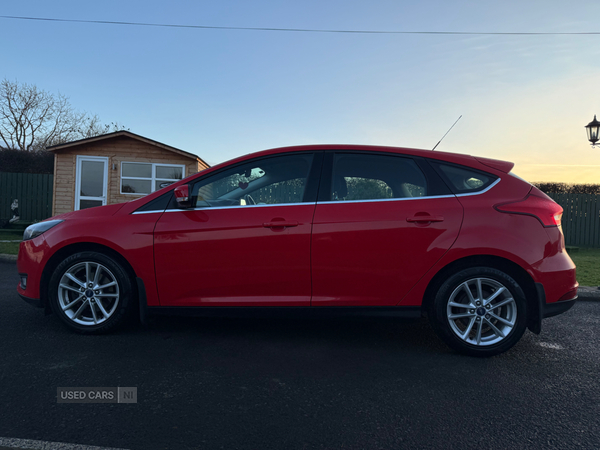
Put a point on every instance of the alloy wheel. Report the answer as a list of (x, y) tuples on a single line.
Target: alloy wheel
[(481, 311), (88, 293)]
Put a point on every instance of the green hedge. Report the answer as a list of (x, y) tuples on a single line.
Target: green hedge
[(21, 161), (565, 188)]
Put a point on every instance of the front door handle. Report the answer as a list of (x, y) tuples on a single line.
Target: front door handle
[(421, 219), (280, 224)]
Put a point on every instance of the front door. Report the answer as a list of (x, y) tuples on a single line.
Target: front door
[(90, 181), (247, 240)]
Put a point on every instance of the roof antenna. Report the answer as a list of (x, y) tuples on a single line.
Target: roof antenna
[(446, 133)]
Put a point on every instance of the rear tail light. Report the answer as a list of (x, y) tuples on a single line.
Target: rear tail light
[(546, 210)]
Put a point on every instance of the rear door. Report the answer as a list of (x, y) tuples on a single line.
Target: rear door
[(246, 242), (381, 222)]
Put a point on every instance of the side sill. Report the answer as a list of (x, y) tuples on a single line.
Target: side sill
[(401, 312), (33, 301)]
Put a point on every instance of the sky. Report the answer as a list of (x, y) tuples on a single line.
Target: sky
[(224, 93)]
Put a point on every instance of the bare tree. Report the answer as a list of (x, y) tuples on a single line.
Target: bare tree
[(33, 119), (94, 127)]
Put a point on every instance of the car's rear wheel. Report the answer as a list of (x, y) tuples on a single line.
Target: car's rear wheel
[(91, 293), (479, 311)]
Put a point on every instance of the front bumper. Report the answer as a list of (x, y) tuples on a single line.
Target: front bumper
[(33, 255), (33, 301)]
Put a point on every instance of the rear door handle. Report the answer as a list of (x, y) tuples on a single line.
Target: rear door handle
[(280, 224), (425, 219)]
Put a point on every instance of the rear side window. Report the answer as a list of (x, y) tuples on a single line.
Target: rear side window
[(375, 177), (463, 180)]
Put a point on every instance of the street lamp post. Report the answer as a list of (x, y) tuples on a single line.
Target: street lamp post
[(593, 129)]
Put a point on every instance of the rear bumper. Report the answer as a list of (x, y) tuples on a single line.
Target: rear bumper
[(542, 310), (554, 309)]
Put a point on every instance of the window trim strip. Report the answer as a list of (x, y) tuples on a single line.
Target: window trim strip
[(466, 194), (339, 202), (212, 208)]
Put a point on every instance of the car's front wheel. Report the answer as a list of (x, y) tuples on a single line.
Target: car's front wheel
[(479, 311), (90, 292)]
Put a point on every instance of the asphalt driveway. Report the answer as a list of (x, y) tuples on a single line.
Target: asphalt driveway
[(284, 384)]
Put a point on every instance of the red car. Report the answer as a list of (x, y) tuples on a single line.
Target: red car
[(341, 229)]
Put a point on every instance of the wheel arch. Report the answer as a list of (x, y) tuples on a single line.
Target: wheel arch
[(78, 247), (507, 266)]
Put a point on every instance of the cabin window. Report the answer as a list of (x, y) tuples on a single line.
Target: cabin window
[(144, 178)]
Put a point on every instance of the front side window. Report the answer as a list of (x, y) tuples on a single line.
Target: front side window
[(375, 177), (267, 181), (144, 178)]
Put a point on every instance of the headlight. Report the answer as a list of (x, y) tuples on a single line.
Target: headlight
[(38, 228)]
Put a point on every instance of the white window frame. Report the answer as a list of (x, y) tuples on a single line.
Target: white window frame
[(152, 180)]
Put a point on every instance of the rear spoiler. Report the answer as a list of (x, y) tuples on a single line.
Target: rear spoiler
[(502, 166)]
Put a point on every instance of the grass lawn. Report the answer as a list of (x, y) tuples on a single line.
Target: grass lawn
[(10, 248), (587, 261)]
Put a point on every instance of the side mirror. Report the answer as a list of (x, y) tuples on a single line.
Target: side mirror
[(182, 195)]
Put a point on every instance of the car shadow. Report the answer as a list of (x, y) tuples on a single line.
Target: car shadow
[(381, 332)]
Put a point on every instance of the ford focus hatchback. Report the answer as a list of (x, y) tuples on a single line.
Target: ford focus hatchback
[(341, 229)]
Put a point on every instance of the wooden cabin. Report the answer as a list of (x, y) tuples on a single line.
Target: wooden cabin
[(115, 168)]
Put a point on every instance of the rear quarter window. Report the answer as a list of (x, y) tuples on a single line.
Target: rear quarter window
[(462, 179)]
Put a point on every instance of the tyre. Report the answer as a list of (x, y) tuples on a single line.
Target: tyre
[(91, 293), (479, 311)]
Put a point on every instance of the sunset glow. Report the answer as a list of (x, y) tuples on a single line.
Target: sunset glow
[(224, 93)]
